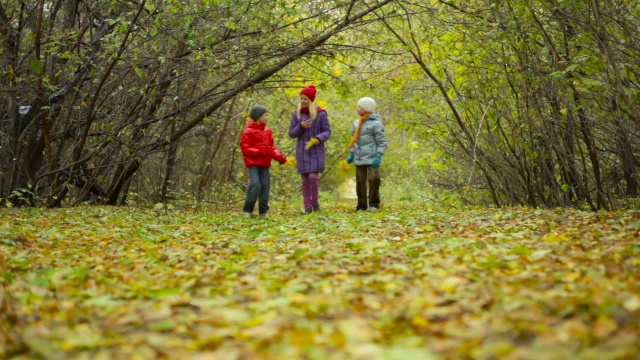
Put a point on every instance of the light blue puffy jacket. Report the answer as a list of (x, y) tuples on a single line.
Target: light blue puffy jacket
[(371, 142)]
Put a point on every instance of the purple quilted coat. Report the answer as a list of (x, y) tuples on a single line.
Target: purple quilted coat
[(312, 160)]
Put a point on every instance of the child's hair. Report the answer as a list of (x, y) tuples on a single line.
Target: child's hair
[(313, 111)]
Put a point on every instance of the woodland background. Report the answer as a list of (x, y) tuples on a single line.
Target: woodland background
[(486, 102)]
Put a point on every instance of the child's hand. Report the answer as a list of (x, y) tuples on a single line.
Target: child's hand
[(306, 124), (376, 161), (349, 159)]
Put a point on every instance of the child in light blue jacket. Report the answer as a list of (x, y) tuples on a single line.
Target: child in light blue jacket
[(366, 148)]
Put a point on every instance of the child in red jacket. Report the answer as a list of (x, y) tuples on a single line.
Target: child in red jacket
[(257, 147)]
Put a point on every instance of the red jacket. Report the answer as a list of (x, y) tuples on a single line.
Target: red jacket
[(257, 147)]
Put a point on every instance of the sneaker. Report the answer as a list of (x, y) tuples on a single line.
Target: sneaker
[(316, 207), (247, 215), (373, 209), (264, 215)]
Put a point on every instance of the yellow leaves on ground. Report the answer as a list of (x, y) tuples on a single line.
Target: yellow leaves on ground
[(555, 237), (604, 327), (403, 283), (450, 284), (632, 304)]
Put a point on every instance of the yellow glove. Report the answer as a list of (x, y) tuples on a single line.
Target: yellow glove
[(291, 161), (311, 143)]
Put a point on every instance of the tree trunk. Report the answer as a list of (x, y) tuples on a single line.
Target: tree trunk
[(205, 175), (172, 152)]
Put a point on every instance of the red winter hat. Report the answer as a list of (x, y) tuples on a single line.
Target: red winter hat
[(310, 92)]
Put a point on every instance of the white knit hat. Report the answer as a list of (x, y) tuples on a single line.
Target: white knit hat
[(368, 104)]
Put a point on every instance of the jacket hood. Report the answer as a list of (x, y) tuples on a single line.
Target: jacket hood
[(374, 117)]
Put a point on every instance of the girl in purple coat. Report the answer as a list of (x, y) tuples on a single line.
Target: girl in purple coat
[(310, 125)]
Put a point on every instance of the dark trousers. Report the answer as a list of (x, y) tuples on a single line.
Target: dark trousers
[(370, 175), (258, 190)]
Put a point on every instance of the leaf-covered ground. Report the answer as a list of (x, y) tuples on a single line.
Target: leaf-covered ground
[(403, 283)]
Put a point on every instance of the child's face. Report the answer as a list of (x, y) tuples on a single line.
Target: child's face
[(263, 119), (304, 100), (361, 111)]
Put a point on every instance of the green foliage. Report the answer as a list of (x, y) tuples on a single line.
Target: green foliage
[(502, 103)]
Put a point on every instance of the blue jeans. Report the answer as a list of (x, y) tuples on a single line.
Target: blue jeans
[(259, 184)]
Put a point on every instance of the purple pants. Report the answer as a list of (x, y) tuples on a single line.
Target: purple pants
[(310, 190)]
